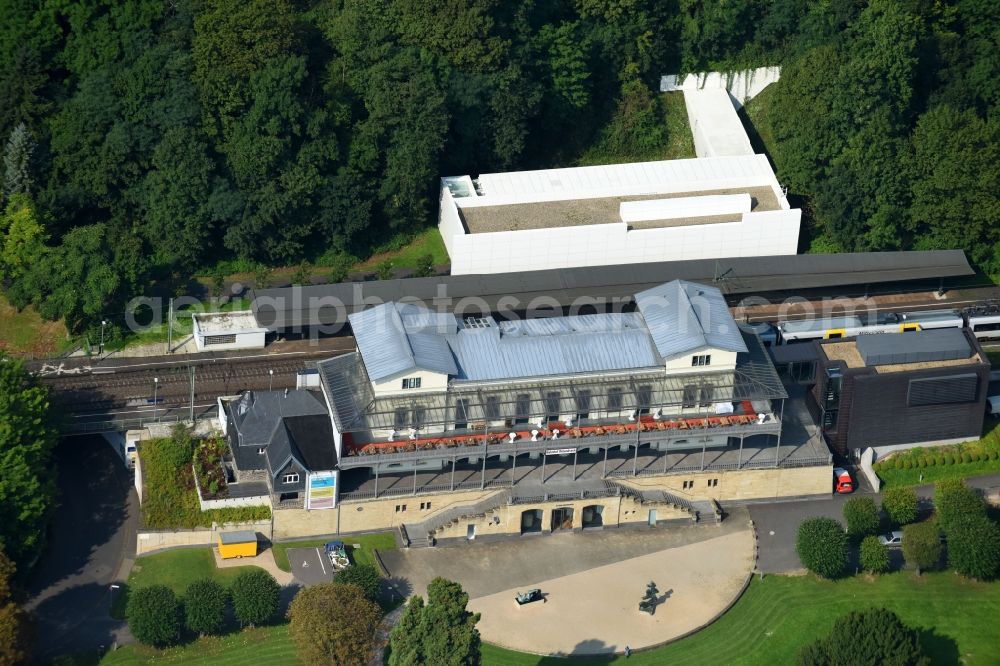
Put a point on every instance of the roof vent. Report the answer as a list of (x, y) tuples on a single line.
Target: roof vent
[(477, 322)]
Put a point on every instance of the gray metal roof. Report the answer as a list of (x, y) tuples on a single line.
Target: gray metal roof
[(238, 536), (914, 347), (555, 346), (395, 337), (291, 307), (683, 317)]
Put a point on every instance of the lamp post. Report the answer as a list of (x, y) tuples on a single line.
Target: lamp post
[(156, 385), (270, 381), (103, 324)]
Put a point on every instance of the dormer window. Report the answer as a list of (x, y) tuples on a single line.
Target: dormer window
[(290, 478), (411, 383), (260, 451), (701, 360)]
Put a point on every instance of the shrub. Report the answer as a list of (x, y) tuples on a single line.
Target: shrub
[(907, 464), (941, 460), (872, 636), (255, 596), (974, 547), (364, 576), (994, 454), (179, 449), (333, 624), (954, 501), (205, 607), (301, 274), (900, 505), (384, 270), (928, 461), (966, 458), (153, 615), (874, 557), (922, 545), (425, 266), (861, 516), (822, 547)]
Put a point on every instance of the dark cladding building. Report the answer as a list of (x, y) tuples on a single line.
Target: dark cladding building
[(908, 388)]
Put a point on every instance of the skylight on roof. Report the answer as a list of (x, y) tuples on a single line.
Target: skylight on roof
[(477, 322)]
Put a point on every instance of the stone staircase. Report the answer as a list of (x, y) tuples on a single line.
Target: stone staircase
[(418, 535), (694, 508)]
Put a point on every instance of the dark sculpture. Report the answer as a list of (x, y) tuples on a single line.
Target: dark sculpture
[(649, 600)]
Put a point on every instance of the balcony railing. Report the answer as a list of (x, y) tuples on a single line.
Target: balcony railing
[(649, 429)]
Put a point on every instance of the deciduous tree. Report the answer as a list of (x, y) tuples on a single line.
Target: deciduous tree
[(205, 604), (874, 557), (861, 516), (255, 596), (922, 545), (900, 505), (974, 547), (821, 544), (364, 576), (441, 631), (334, 624), (872, 636), (154, 615)]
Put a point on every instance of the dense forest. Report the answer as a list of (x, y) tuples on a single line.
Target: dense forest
[(148, 140)]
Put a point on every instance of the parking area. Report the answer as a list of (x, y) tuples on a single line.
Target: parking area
[(310, 566)]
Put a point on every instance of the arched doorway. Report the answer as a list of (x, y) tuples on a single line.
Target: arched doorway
[(531, 521), (562, 518), (593, 516)]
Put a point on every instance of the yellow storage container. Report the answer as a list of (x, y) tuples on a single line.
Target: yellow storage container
[(242, 543)]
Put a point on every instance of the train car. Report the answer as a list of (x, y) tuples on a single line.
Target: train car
[(921, 320), (984, 321), (827, 328)]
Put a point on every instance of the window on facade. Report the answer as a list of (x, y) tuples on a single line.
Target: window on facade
[(707, 391), (614, 399), (712, 483), (419, 415), (522, 408), (220, 339), (687, 485), (690, 398), (492, 407), (644, 398), (411, 382), (582, 404), (700, 360), (552, 406), (290, 478), (400, 418), (461, 414)]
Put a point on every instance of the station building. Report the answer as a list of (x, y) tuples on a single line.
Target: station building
[(449, 428)]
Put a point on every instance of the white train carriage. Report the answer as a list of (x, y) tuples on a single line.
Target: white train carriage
[(984, 322), (831, 328)]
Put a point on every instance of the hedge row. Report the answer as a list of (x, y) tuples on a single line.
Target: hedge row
[(985, 449)]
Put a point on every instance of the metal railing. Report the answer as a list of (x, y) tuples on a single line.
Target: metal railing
[(72, 428)]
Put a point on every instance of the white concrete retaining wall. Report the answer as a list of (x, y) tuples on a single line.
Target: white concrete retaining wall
[(153, 540), (743, 85), (716, 128), (255, 500)]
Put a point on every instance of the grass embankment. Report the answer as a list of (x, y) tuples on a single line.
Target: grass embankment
[(677, 143), (176, 569), (170, 500), (25, 332), (769, 625), (427, 242), (363, 555), (935, 463)]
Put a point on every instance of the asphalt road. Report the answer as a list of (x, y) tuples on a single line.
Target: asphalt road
[(310, 566), (777, 523), (91, 542)]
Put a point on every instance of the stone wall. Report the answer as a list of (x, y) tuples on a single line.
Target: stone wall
[(747, 484), (151, 541)]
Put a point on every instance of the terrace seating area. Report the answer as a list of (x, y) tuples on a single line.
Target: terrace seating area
[(557, 431)]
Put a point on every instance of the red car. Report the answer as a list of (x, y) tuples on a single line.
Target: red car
[(842, 481)]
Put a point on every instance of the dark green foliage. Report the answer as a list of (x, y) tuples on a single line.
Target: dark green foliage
[(954, 502), (441, 631), (154, 615), (821, 544), (27, 484), (922, 545), (874, 557), (974, 547), (425, 266), (205, 605), (255, 596), (17, 161), (301, 275), (861, 516), (384, 270), (365, 576), (179, 449), (900, 505), (875, 636), (16, 630)]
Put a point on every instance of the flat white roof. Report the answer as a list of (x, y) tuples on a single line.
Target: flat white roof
[(637, 178), (717, 129), (226, 322)]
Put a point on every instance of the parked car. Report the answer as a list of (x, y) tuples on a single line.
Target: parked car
[(894, 538), (842, 481)]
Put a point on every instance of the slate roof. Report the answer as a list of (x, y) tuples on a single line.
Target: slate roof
[(288, 425)]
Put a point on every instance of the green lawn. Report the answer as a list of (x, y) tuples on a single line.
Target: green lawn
[(408, 256), (26, 331), (777, 616), (176, 569), (264, 645), (769, 625), (382, 540)]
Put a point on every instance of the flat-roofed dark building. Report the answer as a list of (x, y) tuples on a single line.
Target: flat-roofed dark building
[(900, 388)]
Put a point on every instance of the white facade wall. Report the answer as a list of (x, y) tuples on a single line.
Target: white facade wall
[(244, 340), (742, 85), (721, 359), (449, 223), (430, 382), (768, 233)]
